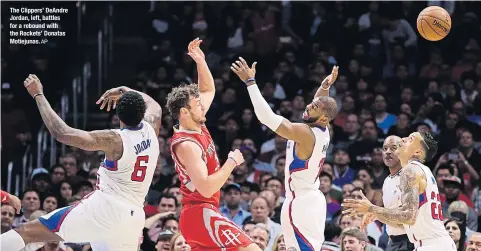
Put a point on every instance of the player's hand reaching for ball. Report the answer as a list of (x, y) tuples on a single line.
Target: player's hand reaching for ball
[(15, 202), (243, 70), (236, 156), (33, 85), (110, 97), (329, 80)]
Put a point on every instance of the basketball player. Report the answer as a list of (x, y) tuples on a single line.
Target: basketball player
[(391, 196), (303, 214), (13, 200), (111, 217), (197, 165), (420, 211)]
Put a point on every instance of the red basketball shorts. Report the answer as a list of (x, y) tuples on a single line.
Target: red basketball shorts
[(204, 227)]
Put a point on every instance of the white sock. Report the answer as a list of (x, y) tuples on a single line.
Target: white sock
[(11, 241)]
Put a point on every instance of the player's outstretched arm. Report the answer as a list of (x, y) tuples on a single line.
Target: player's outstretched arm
[(283, 127), (205, 78), (103, 140), (323, 90), (405, 214), (190, 155), (153, 113)]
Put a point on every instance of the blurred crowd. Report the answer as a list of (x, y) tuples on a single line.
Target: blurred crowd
[(391, 82)]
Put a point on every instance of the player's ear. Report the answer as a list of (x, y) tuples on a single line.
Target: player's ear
[(184, 111), (419, 154)]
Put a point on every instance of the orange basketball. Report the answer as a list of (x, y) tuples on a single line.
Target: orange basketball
[(434, 23)]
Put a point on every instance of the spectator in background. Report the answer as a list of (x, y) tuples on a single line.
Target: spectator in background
[(50, 203), (30, 204), (457, 231), (367, 177), (8, 217), (325, 183), (359, 150), (261, 236), (41, 181), (464, 214), (57, 172), (379, 170), (279, 244), (332, 234), (260, 214), (353, 239), (474, 242), (178, 243), (384, 119), (232, 209), (343, 173)]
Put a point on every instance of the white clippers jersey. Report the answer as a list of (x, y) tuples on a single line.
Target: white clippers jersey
[(391, 198), (129, 177), (304, 174), (429, 220)]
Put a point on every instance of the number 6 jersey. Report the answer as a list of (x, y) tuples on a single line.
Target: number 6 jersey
[(129, 177), (429, 220)]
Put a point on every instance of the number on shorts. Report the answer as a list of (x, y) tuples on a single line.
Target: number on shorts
[(436, 207), (140, 168)]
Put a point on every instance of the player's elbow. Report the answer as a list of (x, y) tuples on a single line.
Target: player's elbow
[(205, 191)]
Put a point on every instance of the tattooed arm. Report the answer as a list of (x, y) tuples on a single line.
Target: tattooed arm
[(103, 140), (410, 187)]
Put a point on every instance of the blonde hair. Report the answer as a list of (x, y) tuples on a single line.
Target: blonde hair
[(458, 206), (172, 241), (274, 246), (353, 232)]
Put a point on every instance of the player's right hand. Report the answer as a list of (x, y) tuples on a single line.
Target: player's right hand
[(15, 202), (242, 70), (33, 85), (237, 156), (329, 80), (110, 98)]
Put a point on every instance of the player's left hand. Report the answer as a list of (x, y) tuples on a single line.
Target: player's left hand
[(243, 71), (354, 206), (195, 52), (329, 80), (110, 98), (33, 85)]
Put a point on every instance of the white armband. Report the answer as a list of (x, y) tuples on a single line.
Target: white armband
[(262, 109)]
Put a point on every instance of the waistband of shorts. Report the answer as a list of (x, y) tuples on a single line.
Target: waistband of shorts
[(399, 238), (432, 241)]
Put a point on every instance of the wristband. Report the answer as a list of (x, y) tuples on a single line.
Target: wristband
[(38, 94), (5, 197), (249, 80), (234, 161)]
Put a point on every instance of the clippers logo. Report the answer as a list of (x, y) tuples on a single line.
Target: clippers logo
[(211, 149)]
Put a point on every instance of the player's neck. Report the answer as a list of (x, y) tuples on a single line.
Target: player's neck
[(190, 126)]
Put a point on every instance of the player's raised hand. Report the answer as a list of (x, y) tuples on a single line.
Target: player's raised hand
[(354, 207), (243, 71), (195, 52), (236, 156), (33, 85), (329, 80), (110, 98)]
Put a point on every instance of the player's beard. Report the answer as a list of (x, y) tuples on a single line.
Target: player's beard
[(309, 120)]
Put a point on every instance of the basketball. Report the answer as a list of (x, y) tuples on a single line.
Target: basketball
[(434, 23)]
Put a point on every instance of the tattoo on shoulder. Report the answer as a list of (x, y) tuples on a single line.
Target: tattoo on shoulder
[(410, 187), (154, 120)]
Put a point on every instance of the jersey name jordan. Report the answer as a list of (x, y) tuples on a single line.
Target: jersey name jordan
[(429, 220), (304, 174), (129, 177)]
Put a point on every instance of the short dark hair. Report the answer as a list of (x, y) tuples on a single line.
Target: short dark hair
[(168, 196), (430, 145), (179, 98), (325, 174), (168, 218), (329, 107), (275, 178), (131, 108), (445, 166), (332, 230)]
